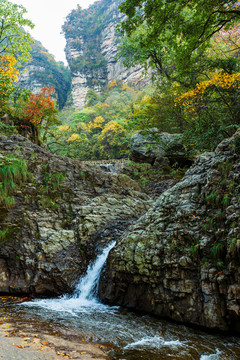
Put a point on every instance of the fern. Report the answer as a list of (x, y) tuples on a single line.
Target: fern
[(13, 173)]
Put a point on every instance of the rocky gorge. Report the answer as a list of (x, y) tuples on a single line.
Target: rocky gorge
[(176, 257)]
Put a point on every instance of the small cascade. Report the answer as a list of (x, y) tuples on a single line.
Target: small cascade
[(135, 336), (88, 286), (85, 294)]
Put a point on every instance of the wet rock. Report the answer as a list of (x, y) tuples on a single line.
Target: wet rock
[(56, 228), (181, 259)]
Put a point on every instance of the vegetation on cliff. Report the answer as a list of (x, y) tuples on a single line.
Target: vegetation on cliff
[(83, 29), (43, 69)]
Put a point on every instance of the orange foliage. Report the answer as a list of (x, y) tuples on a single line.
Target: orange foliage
[(112, 84), (40, 106)]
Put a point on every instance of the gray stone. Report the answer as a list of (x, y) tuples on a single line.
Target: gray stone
[(158, 148), (195, 272)]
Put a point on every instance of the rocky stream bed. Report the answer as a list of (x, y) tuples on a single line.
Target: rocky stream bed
[(176, 257)]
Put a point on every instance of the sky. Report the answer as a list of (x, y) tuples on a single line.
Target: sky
[(48, 17)]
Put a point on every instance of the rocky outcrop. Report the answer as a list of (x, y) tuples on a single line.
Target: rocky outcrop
[(158, 148), (42, 70), (28, 79), (177, 257), (91, 50), (63, 214), (180, 260)]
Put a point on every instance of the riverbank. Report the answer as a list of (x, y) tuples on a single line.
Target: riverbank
[(30, 340)]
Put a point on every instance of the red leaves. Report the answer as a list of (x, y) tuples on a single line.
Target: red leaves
[(40, 106)]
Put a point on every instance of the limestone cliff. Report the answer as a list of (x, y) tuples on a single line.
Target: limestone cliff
[(42, 70), (91, 50)]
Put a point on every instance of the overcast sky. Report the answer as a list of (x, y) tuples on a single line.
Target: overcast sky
[(48, 17)]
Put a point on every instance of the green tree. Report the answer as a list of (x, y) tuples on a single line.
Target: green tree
[(14, 40), (91, 98), (173, 35)]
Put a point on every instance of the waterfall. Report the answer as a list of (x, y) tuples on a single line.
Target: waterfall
[(85, 294), (131, 334), (88, 285)]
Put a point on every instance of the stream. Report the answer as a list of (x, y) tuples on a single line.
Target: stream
[(129, 336)]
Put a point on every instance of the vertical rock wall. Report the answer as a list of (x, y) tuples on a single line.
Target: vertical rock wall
[(106, 42)]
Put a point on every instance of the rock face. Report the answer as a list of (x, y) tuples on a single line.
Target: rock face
[(42, 70), (28, 80), (178, 257), (91, 50), (180, 260), (158, 148), (62, 215)]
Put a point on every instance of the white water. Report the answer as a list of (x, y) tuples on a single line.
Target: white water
[(154, 342), (85, 294), (132, 333), (88, 285), (211, 357)]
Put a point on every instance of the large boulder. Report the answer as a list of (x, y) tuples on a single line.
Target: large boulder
[(158, 148), (63, 214), (181, 259)]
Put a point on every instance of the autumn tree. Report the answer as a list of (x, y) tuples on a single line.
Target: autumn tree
[(40, 111), (97, 125), (112, 142), (8, 74)]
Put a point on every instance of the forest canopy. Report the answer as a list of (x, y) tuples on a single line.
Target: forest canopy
[(193, 47)]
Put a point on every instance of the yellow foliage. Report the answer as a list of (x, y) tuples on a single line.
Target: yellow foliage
[(7, 67), (145, 100), (8, 74), (96, 124), (83, 126), (74, 137), (112, 84), (225, 81), (125, 87), (113, 127), (63, 128)]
